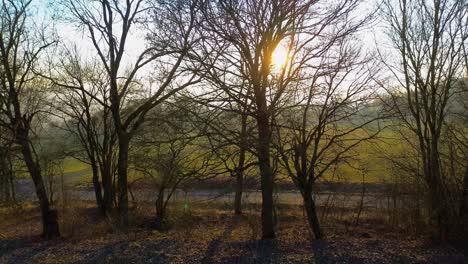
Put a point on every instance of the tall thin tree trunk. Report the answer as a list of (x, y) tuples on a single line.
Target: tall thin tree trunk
[(160, 210), (106, 163), (6, 190), (12, 180), (50, 227), (238, 195), (464, 205), (240, 166), (108, 187), (97, 186), (160, 204), (311, 211), (122, 171), (266, 174), (439, 217)]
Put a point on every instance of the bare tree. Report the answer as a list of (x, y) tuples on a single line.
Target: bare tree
[(51, 162), (428, 37), (167, 152), (82, 103), (109, 25), (20, 49), (332, 111), (230, 137), (247, 33), (229, 130)]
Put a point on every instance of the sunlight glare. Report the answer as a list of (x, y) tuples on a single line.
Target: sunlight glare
[(280, 57)]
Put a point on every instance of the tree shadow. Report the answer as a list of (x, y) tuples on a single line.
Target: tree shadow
[(216, 243), (373, 252), (23, 249), (102, 254), (320, 248), (325, 252), (124, 252), (252, 251), (267, 251)]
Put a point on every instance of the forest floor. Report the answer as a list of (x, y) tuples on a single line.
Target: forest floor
[(201, 235)]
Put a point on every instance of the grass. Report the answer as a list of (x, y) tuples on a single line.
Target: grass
[(71, 165), (368, 159)]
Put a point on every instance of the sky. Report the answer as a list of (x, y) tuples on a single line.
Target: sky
[(371, 37)]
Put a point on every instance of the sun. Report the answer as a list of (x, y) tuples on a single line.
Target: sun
[(280, 57)]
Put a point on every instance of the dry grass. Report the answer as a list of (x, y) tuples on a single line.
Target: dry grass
[(208, 233)]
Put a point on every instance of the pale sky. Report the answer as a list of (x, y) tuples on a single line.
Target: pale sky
[(135, 44), (68, 34)]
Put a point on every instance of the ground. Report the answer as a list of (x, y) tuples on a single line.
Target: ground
[(200, 235)]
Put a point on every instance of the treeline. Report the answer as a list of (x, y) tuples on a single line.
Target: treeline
[(215, 88)]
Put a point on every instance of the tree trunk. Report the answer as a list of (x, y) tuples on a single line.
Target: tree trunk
[(122, 172), (108, 187), (106, 162), (12, 179), (6, 179), (464, 205), (240, 166), (439, 217), (160, 204), (50, 227), (97, 186), (312, 217), (266, 174), (160, 210), (238, 195)]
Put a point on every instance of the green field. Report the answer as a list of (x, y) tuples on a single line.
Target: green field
[(368, 160), (71, 165)]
